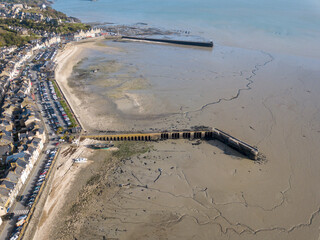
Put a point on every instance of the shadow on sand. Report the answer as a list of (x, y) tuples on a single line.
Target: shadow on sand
[(227, 150)]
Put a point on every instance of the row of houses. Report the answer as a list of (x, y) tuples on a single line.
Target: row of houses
[(34, 13), (12, 60), (20, 168), (25, 12), (22, 134), (22, 12), (12, 57), (80, 35)]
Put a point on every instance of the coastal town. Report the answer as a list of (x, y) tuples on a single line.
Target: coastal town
[(124, 120), (35, 117)]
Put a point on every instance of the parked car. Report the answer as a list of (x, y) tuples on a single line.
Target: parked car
[(15, 236), (19, 198), (8, 216), (39, 184), (36, 191), (32, 199), (34, 195)]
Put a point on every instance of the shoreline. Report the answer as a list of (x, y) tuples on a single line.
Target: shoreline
[(66, 60), (229, 187), (62, 73), (61, 183)]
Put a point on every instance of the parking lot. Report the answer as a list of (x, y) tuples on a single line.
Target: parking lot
[(51, 107), (55, 117), (29, 200), (26, 200), (47, 98)]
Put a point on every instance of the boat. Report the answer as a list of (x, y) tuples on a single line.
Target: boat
[(80, 160)]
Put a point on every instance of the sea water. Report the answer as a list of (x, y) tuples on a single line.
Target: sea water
[(271, 25), (160, 79)]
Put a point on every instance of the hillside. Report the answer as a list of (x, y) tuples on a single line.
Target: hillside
[(9, 37)]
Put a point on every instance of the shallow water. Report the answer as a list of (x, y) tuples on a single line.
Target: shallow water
[(143, 81), (287, 26)]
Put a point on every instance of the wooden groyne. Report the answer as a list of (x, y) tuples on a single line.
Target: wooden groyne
[(213, 134), (171, 41)]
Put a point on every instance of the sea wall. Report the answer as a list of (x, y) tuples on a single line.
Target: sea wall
[(172, 41), (236, 144), (213, 134)]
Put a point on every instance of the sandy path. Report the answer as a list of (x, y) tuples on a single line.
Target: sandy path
[(64, 177)]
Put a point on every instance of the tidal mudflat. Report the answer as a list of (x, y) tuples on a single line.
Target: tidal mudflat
[(175, 190)]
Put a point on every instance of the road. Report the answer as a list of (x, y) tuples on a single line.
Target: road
[(19, 208)]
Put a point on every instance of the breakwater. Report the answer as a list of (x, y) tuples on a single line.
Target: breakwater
[(172, 41), (212, 134)]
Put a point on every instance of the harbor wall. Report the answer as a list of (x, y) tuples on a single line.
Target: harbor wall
[(236, 144), (180, 42), (214, 134)]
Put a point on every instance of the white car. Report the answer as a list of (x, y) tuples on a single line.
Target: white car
[(21, 217), (14, 237), (80, 160)]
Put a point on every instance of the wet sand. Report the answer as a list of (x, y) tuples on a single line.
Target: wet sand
[(270, 101), (180, 191), (128, 89), (66, 60)]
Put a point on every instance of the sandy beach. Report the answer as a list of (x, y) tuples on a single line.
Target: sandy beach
[(123, 95), (179, 191), (63, 179), (66, 60)]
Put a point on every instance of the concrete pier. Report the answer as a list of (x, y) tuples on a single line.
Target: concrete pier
[(213, 134), (172, 41)]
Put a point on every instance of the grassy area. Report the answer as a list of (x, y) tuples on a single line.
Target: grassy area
[(68, 112), (75, 208), (94, 179), (62, 28), (64, 105), (9, 37), (67, 24), (48, 12), (128, 149), (29, 2)]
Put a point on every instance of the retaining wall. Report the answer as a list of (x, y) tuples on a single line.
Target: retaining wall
[(180, 42), (214, 134)]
